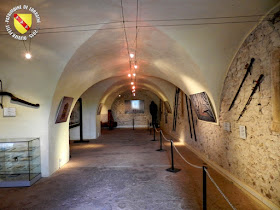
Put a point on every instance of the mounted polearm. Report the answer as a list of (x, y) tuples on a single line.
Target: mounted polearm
[(13, 98), (258, 83), (1, 102), (178, 91), (176, 108), (187, 103), (192, 120), (248, 67)]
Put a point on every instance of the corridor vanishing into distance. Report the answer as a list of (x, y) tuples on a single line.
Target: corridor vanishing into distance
[(123, 170)]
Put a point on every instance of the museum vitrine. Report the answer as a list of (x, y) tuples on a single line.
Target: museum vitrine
[(20, 162)]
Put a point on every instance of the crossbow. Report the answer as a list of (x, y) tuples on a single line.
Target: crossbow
[(13, 98)]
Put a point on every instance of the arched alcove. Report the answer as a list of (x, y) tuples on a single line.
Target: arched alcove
[(106, 91)]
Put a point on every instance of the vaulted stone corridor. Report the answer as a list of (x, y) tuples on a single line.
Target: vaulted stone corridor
[(205, 73), (123, 170)]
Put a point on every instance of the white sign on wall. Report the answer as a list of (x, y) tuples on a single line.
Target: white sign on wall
[(227, 126), (242, 131), (9, 112)]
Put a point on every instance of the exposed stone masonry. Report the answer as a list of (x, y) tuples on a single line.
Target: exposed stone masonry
[(118, 108), (254, 161)]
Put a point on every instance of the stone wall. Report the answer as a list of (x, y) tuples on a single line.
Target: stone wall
[(125, 120), (255, 161)]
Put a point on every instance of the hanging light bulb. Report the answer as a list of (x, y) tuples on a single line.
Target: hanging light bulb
[(28, 55), (132, 83), (133, 94), (135, 66), (133, 87), (134, 74), (131, 55), (133, 91), (129, 75)]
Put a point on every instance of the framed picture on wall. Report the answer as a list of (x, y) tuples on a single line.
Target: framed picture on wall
[(64, 109), (203, 107), (134, 106), (167, 107)]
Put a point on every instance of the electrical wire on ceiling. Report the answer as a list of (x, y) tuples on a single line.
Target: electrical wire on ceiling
[(202, 18), (126, 40), (136, 30), (155, 20), (152, 25), (136, 40), (124, 28)]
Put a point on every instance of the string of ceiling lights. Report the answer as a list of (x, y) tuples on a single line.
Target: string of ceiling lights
[(132, 54)]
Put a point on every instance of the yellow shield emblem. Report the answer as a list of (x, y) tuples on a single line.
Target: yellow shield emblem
[(22, 22)]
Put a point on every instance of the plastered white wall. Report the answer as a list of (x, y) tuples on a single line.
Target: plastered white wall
[(90, 103)]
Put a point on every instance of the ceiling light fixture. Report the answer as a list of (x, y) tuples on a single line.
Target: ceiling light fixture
[(131, 55), (129, 75), (28, 55), (134, 74)]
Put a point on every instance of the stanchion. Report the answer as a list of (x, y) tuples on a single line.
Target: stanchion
[(154, 133), (148, 125), (150, 129), (172, 169), (204, 196), (133, 123), (160, 143)]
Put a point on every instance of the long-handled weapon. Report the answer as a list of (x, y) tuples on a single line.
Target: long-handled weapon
[(192, 120), (175, 114), (187, 103), (1, 102), (258, 82), (248, 67), (177, 98)]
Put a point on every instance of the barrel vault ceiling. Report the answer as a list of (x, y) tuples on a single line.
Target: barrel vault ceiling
[(185, 42)]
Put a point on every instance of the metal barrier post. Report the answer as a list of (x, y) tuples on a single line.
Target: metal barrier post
[(204, 188), (160, 139), (172, 169), (133, 123), (160, 143), (154, 133)]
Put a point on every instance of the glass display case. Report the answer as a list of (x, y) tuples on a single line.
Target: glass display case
[(20, 162)]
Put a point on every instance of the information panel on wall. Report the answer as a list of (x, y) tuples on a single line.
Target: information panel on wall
[(134, 106)]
